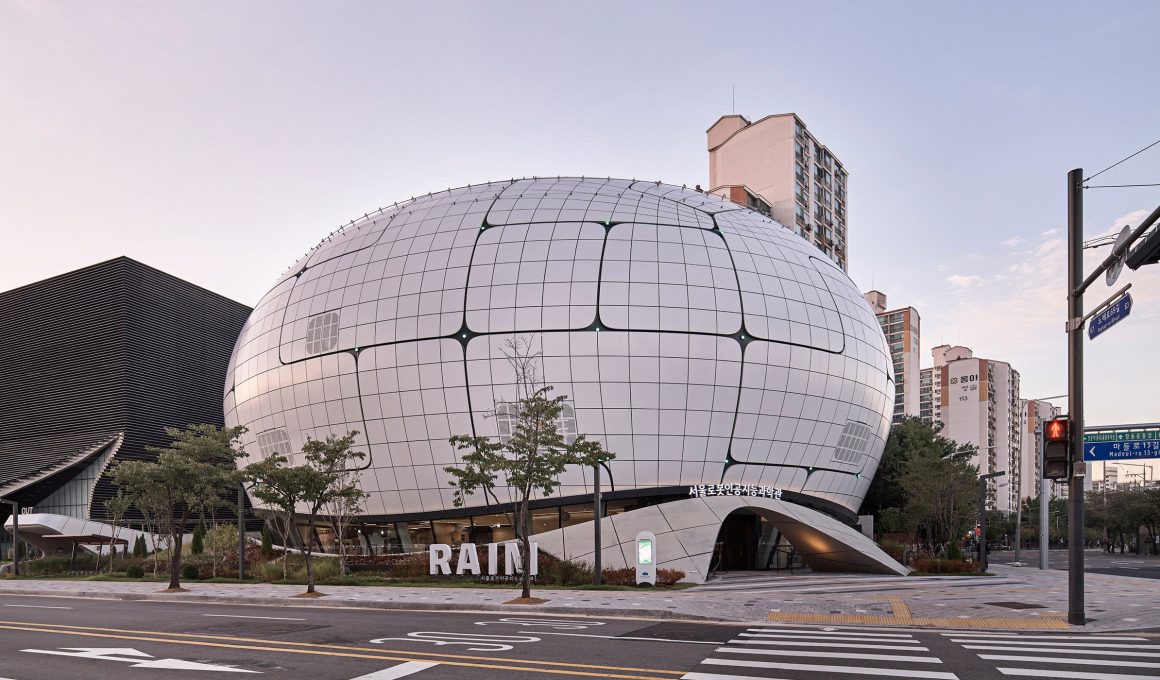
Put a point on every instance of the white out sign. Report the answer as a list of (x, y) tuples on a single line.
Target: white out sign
[(439, 560)]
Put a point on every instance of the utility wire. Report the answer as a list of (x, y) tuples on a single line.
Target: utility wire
[(1125, 159), (1117, 186)]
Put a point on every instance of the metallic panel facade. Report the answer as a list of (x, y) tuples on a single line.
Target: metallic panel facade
[(701, 342)]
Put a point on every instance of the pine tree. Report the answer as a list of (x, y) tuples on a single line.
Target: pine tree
[(267, 542), (197, 545)]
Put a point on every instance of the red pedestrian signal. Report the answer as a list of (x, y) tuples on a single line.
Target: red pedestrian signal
[(1057, 449)]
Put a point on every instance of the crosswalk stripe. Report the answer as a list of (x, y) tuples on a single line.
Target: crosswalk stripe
[(1059, 650), (1071, 675), (720, 677), (777, 665), (851, 638), (1005, 636), (789, 643), (1098, 645), (776, 629), (1074, 662), (834, 655)]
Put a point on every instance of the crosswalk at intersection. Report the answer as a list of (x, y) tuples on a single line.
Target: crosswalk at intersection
[(1066, 657), (784, 652)]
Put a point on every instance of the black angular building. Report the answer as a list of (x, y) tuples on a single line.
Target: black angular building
[(94, 364)]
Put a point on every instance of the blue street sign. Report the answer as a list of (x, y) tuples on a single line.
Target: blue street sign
[(1111, 316), (1147, 448)]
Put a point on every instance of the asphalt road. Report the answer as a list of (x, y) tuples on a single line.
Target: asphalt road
[(1095, 562), (62, 638)]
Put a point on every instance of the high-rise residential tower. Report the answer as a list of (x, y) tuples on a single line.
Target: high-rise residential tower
[(778, 168), (901, 327), (977, 403), (1035, 414)]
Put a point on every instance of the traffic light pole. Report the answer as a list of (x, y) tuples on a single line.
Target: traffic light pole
[(1075, 289)]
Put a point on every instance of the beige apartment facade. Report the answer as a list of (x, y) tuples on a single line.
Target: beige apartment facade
[(901, 327), (778, 167), (1035, 414), (976, 401)]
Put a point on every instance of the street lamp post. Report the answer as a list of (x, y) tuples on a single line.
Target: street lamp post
[(983, 515)]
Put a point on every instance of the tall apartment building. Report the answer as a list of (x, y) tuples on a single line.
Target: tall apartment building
[(1035, 414), (901, 327), (977, 403), (777, 167)]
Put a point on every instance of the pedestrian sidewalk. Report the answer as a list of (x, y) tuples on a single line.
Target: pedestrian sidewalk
[(1016, 598)]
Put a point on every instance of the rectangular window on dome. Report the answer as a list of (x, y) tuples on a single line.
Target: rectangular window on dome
[(322, 333)]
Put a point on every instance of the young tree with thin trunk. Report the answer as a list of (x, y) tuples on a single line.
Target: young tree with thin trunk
[(278, 486), (328, 482), (116, 506), (534, 455), (320, 481), (197, 467)]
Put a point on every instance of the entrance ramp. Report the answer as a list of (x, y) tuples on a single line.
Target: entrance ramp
[(686, 531)]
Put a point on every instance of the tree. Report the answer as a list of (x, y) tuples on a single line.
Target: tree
[(278, 486), (345, 502), (941, 492), (322, 479), (197, 543), (267, 543), (116, 507), (328, 483), (533, 456), (909, 437), (190, 474)]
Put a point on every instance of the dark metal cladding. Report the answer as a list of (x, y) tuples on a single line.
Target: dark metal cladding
[(104, 357)]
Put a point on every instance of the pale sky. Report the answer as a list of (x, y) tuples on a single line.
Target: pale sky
[(220, 141)]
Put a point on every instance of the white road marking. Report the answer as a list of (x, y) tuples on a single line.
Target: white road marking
[(136, 659), (804, 636), (1072, 675), (1097, 645), (240, 616), (827, 643), (402, 670), (1076, 662), (833, 655), (716, 677), (35, 606), (775, 665), (624, 637), (1043, 637), (828, 632), (1059, 650)]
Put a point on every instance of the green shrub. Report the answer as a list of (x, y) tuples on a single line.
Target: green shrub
[(139, 549), (935, 566), (190, 572), (953, 551), (135, 571), (564, 573), (267, 571)]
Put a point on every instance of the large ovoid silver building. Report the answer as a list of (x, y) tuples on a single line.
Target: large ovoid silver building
[(739, 376)]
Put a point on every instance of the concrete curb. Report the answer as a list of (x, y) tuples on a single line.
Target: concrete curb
[(658, 614)]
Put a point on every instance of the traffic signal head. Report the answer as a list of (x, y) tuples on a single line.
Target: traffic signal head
[(1056, 449)]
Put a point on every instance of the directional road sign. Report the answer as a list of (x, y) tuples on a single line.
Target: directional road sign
[(1121, 445), (1115, 312)]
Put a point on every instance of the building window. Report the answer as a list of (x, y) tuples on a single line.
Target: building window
[(274, 441), (507, 419), (852, 443), (322, 333)]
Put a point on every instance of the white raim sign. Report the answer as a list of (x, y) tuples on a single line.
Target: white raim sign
[(703, 490), (440, 559)]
